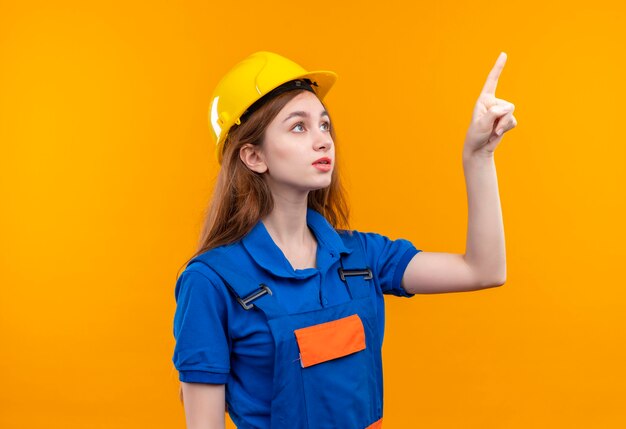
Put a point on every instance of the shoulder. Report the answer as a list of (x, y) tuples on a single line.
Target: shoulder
[(220, 255), (218, 264), (199, 275), (373, 242), (385, 253), (387, 257)]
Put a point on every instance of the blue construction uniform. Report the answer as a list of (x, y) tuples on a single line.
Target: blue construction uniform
[(274, 377)]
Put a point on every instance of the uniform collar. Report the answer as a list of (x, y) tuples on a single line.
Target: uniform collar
[(267, 254)]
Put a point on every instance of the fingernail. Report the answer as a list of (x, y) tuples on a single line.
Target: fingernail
[(499, 132)]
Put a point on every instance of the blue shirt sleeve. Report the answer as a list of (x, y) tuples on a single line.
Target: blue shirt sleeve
[(202, 351), (389, 258)]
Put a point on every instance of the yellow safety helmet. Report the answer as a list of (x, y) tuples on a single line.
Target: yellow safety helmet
[(250, 80)]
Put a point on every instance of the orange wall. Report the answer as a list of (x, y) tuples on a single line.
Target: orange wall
[(106, 166)]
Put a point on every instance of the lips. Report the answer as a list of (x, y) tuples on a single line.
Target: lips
[(323, 164), (323, 161)]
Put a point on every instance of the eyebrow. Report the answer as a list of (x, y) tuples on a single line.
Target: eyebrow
[(303, 114)]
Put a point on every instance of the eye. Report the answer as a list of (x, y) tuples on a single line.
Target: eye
[(299, 124), (299, 127)]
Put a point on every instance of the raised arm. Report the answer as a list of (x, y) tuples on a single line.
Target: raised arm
[(204, 405), (484, 263)]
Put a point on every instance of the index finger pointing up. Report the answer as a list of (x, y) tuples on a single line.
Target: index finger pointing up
[(494, 74)]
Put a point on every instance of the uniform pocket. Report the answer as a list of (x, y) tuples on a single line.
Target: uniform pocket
[(330, 340), (338, 375)]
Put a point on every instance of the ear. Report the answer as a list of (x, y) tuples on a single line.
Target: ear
[(252, 158)]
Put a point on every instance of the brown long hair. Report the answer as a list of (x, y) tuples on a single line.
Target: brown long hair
[(241, 196)]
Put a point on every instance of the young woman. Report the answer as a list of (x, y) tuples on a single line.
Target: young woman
[(280, 312)]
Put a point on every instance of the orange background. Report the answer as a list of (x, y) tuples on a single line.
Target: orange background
[(106, 167)]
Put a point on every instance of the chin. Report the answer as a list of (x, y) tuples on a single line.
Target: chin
[(320, 186)]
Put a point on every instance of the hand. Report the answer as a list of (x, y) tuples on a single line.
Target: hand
[(491, 118)]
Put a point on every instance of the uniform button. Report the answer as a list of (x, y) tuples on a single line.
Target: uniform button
[(325, 301)]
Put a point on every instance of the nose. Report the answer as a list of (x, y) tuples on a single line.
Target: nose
[(323, 141)]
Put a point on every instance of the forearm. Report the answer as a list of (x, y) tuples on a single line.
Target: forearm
[(485, 249)]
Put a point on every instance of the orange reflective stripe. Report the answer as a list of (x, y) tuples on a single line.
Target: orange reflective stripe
[(376, 425), (330, 340)]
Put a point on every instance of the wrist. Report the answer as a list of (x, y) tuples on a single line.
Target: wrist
[(477, 155)]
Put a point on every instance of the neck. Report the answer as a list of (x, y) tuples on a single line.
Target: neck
[(286, 223)]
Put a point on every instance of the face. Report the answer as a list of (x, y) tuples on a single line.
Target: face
[(298, 152)]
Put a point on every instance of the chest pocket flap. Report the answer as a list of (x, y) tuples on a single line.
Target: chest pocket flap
[(330, 340)]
